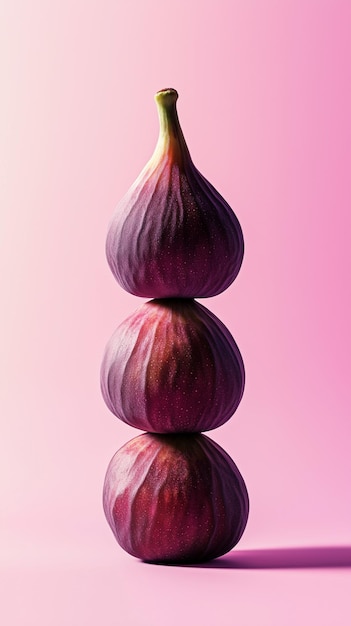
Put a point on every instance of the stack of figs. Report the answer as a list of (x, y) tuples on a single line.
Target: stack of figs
[(172, 368)]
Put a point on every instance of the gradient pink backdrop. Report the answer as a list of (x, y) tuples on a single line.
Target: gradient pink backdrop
[(265, 103)]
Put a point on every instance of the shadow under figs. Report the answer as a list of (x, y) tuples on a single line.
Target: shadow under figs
[(283, 558)]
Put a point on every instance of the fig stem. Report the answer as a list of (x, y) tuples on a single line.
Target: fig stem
[(171, 139)]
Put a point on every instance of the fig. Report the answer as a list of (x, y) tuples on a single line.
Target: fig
[(175, 498), (172, 366), (173, 235)]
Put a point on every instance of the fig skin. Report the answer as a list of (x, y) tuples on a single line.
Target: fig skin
[(172, 366), (175, 499), (173, 235)]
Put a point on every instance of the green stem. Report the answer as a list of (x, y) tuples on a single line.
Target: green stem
[(171, 138)]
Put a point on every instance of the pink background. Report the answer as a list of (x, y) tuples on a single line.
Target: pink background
[(265, 103)]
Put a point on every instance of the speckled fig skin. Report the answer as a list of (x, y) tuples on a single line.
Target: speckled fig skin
[(173, 235), (175, 498), (172, 366)]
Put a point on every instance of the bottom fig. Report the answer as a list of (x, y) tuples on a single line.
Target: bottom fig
[(175, 498)]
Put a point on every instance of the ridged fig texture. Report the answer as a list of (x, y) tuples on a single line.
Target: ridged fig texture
[(173, 235), (175, 498), (172, 366)]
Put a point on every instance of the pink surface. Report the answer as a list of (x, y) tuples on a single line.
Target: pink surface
[(264, 103)]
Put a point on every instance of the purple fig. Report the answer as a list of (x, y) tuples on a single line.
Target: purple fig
[(172, 366), (172, 234), (175, 498)]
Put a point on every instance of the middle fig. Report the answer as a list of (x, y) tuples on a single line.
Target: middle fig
[(172, 366)]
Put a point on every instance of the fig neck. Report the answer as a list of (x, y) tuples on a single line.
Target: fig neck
[(171, 142)]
